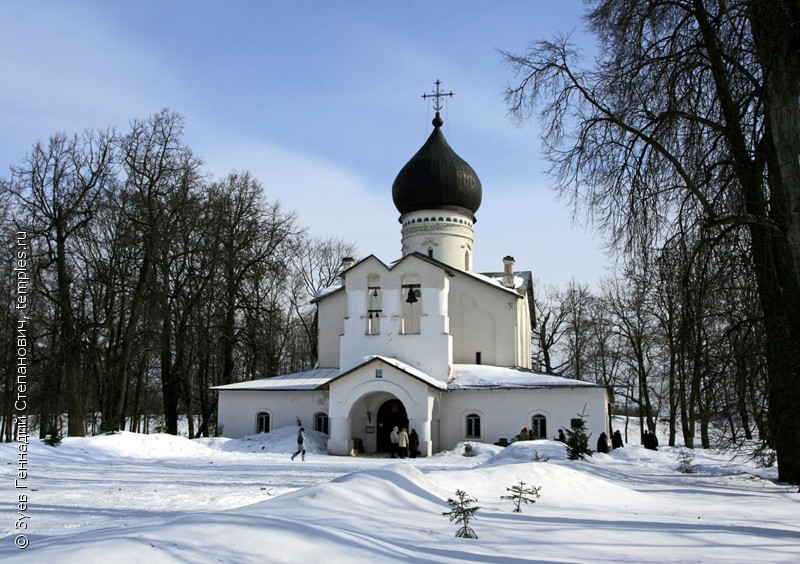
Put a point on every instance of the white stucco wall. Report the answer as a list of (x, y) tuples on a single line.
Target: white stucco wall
[(438, 416), (330, 322), (429, 349), (505, 412), (459, 317), (486, 319), (238, 409)]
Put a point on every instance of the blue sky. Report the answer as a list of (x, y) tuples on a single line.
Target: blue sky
[(321, 101)]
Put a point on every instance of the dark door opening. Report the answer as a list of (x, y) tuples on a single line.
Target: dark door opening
[(390, 414)]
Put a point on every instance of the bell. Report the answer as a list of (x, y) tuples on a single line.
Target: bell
[(412, 297)]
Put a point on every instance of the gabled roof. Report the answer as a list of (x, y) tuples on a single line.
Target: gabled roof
[(321, 377), (393, 362), (448, 269)]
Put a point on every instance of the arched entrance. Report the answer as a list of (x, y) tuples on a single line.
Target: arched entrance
[(391, 414)]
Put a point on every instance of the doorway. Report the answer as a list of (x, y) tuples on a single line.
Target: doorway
[(391, 414)]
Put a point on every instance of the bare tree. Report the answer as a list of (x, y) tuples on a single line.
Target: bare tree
[(575, 306), (158, 169), (549, 330), (689, 117), (316, 264), (57, 187)]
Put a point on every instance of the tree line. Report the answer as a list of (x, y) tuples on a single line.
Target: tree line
[(683, 349), (151, 281), (681, 140)]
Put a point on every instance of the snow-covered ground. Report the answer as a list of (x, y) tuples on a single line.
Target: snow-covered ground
[(159, 498)]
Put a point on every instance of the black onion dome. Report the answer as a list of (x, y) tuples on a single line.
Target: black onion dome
[(437, 178)]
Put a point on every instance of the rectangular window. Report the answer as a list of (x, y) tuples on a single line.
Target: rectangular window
[(539, 427), (473, 430), (477, 357)]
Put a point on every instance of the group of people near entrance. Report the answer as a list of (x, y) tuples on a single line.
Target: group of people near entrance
[(403, 444)]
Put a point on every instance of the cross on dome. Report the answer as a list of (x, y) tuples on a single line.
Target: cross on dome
[(437, 96)]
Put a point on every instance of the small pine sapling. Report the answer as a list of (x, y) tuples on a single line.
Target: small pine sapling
[(520, 494), (577, 439), (685, 459), (463, 512), (52, 438)]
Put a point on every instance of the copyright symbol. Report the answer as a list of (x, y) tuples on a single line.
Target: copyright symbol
[(21, 541)]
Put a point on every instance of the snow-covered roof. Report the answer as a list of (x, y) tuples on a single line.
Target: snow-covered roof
[(402, 366), (314, 379), (522, 278), (337, 285), (482, 376), (308, 380), (464, 377)]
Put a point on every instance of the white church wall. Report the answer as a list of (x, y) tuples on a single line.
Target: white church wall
[(428, 347), (238, 409), (363, 390), (505, 412), (484, 319), (330, 324)]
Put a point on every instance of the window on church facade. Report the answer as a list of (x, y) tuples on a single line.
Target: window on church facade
[(262, 422), (412, 305), (321, 422), (374, 307), (539, 427), (473, 426)]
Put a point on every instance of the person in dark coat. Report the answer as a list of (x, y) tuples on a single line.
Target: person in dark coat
[(301, 444), (562, 438), (602, 443), (649, 440), (616, 440), (413, 443)]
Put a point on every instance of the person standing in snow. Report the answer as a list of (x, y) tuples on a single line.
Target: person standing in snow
[(393, 440), (649, 440), (524, 435), (402, 442), (562, 438), (413, 443), (602, 443), (616, 440), (301, 444)]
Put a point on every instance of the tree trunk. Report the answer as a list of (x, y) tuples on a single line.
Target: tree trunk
[(70, 342)]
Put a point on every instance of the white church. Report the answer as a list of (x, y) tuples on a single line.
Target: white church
[(423, 342)]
